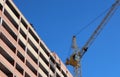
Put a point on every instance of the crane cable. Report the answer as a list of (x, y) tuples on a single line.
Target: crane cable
[(88, 43), (89, 24), (86, 26)]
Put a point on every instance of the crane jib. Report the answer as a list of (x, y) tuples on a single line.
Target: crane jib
[(100, 27), (76, 57)]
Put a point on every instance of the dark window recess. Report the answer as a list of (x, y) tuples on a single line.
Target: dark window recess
[(32, 56), (52, 64), (34, 36), (44, 59), (9, 30), (1, 7), (6, 56), (51, 76), (8, 43), (64, 74), (33, 46), (22, 33), (45, 50), (52, 59), (24, 23), (0, 35), (57, 75), (43, 69), (21, 57), (5, 70), (0, 20), (19, 68), (52, 68), (58, 66), (26, 75), (21, 44), (39, 75), (11, 19), (31, 68), (15, 76), (13, 9)]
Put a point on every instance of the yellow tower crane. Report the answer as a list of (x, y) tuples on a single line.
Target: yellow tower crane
[(75, 58)]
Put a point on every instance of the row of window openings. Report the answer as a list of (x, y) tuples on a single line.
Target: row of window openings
[(8, 73), (28, 64), (52, 61), (29, 41), (12, 62), (11, 32), (22, 20), (20, 42), (1, 7), (55, 75), (5, 70), (16, 25), (52, 66), (23, 34), (7, 42), (15, 12), (33, 46), (15, 37), (40, 65), (13, 48), (34, 59)]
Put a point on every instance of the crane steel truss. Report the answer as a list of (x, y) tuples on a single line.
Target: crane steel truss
[(75, 59)]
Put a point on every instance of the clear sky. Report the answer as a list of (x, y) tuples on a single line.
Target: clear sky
[(56, 21)]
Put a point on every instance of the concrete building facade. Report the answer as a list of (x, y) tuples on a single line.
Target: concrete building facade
[(22, 52)]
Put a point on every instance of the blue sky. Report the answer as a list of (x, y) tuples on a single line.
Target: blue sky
[(56, 21)]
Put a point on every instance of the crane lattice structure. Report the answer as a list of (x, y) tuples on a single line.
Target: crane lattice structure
[(75, 58)]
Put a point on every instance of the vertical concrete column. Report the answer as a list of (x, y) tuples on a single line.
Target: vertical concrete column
[(1, 16), (49, 67), (0, 21), (55, 68), (14, 73), (26, 48), (38, 58), (3, 6)]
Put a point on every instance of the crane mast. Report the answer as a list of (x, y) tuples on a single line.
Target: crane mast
[(76, 57)]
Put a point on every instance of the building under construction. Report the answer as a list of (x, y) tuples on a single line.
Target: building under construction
[(22, 52)]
